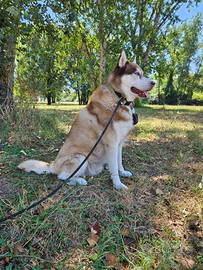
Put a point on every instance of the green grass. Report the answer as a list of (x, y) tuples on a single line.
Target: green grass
[(162, 211)]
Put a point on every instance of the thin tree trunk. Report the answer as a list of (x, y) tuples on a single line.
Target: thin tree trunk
[(101, 8), (102, 60), (150, 43), (147, 53), (87, 54), (6, 86), (11, 53), (139, 45), (53, 98)]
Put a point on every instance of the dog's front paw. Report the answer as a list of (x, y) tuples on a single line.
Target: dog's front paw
[(121, 186), (125, 173)]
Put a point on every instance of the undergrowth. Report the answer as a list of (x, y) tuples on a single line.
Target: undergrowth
[(156, 224)]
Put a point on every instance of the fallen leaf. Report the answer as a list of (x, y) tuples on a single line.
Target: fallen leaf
[(105, 194), (19, 248), (93, 231), (110, 259), (125, 232), (148, 193), (129, 181), (2, 249), (159, 192), (7, 260), (95, 225), (93, 239)]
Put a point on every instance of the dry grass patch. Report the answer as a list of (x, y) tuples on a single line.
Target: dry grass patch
[(161, 213)]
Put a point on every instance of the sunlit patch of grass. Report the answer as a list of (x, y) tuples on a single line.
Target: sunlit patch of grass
[(162, 210)]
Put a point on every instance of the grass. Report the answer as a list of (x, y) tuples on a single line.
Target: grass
[(162, 212)]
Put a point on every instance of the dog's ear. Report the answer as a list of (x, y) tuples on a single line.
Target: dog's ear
[(134, 60), (122, 59)]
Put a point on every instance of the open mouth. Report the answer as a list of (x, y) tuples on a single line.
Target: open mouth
[(141, 94)]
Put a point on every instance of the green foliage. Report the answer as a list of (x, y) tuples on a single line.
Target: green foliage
[(18, 18), (181, 71), (171, 96), (41, 68)]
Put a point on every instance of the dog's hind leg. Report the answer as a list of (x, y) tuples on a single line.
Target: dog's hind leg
[(72, 181), (69, 167), (121, 170), (75, 180)]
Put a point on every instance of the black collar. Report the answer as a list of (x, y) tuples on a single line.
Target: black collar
[(125, 102)]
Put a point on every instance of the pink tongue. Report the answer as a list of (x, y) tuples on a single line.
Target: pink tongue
[(147, 95), (142, 94)]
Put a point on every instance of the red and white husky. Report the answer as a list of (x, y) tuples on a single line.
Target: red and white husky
[(125, 80)]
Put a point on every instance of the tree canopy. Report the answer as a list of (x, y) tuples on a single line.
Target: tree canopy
[(73, 45)]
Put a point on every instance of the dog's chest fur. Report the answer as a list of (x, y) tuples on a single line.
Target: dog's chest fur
[(101, 106)]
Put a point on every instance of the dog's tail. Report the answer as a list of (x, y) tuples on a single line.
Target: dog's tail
[(36, 166)]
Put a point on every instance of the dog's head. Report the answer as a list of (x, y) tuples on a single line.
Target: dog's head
[(127, 78)]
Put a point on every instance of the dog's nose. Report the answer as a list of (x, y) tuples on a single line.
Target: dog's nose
[(153, 83)]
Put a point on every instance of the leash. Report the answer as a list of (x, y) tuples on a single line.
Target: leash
[(60, 186)]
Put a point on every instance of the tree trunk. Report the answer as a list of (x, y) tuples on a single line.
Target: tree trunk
[(79, 98), (102, 60), (102, 38), (150, 43), (7, 79), (49, 99), (3, 94), (147, 53), (53, 97), (87, 54)]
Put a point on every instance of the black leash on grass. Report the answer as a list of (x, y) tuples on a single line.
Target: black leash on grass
[(60, 186)]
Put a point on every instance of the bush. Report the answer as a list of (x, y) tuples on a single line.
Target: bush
[(137, 103), (191, 102)]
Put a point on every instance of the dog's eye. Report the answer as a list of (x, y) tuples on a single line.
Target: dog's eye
[(137, 73)]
